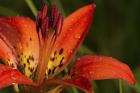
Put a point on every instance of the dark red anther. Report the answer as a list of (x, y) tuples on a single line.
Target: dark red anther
[(38, 21), (43, 27), (54, 16), (59, 25), (41, 16), (44, 11), (47, 26), (52, 23)]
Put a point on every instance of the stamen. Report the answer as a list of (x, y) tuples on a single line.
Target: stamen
[(44, 28), (45, 52), (40, 38), (59, 25), (54, 16), (42, 21), (48, 29), (38, 21), (44, 11)]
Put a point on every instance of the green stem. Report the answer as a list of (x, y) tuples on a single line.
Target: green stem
[(74, 90), (32, 7), (120, 87), (66, 70)]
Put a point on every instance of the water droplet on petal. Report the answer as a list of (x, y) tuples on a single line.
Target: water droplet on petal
[(72, 19), (78, 59), (70, 51), (90, 73), (13, 78), (77, 36), (70, 29)]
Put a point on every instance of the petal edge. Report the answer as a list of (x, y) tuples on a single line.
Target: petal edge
[(101, 67), (79, 82), (8, 76)]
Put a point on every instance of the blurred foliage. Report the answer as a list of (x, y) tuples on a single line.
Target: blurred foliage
[(114, 32)]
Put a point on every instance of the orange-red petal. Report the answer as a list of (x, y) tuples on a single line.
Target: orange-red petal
[(7, 52), (101, 67), (22, 30), (9, 76), (79, 82), (74, 30)]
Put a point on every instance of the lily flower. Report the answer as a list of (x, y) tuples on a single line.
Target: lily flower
[(35, 52)]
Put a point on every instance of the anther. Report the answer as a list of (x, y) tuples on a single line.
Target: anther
[(40, 17), (54, 16), (44, 11), (59, 25), (38, 21)]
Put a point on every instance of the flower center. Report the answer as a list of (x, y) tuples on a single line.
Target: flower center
[(48, 27)]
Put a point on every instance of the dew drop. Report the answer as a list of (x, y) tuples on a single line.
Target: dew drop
[(77, 36), (70, 51), (78, 59), (70, 29), (72, 19), (90, 73), (26, 26), (13, 78), (13, 83)]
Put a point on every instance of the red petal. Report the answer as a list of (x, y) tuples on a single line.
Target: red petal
[(10, 32), (80, 82), (101, 67), (73, 32), (7, 53), (22, 32), (8, 76)]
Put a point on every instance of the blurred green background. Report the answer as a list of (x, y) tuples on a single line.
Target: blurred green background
[(114, 32)]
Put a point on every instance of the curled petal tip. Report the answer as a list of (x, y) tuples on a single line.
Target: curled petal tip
[(101, 67), (92, 7)]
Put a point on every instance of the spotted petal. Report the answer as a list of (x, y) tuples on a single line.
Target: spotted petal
[(79, 82), (7, 53), (74, 30), (21, 33), (101, 67), (8, 76)]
